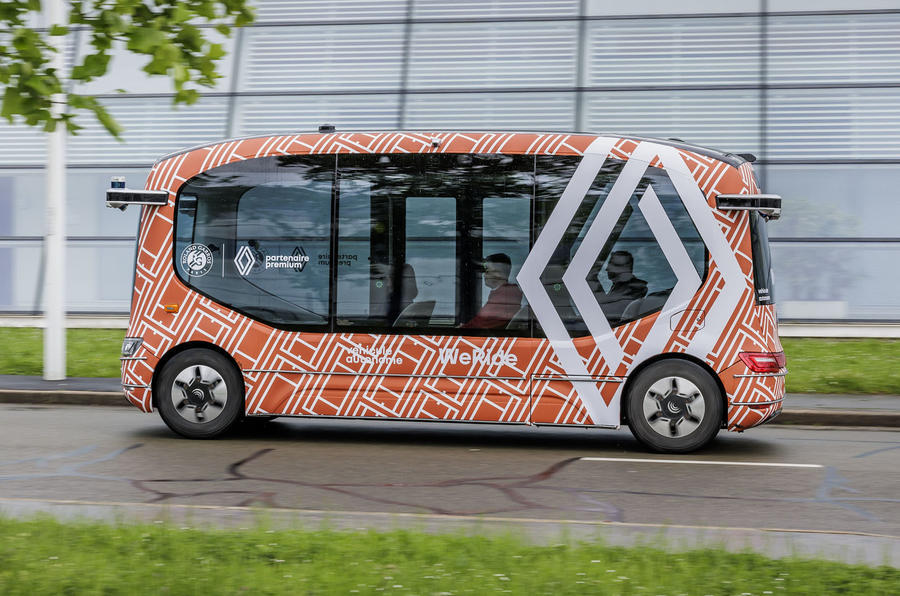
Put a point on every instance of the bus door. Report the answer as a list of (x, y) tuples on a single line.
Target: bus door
[(413, 234)]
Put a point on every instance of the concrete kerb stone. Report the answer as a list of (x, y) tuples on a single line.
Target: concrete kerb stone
[(873, 418), (819, 417), (68, 398)]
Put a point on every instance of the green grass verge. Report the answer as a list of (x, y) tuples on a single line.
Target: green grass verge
[(90, 352), (842, 365), (869, 366), (44, 556)]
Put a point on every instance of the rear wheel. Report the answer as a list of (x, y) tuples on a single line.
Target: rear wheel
[(674, 406), (200, 394)]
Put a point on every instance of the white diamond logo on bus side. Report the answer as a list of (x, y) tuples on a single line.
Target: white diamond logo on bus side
[(575, 277), (244, 260)]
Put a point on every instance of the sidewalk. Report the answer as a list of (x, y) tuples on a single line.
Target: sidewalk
[(799, 408)]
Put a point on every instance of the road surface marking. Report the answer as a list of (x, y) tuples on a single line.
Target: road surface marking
[(701, 462)]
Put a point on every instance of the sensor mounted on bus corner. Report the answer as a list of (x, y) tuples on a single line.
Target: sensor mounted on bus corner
[(119, 197), (326, 128)]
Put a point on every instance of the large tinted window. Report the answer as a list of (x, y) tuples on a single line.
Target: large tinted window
[(254, 235), (425, 242), (433, 242)]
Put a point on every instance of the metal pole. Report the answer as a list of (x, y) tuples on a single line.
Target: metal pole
[(55, 238)]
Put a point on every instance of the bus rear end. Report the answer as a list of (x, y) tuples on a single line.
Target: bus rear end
[(755, 383)]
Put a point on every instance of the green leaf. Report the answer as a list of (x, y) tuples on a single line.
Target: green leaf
[(146, 40), (215, 51), (94, 65), (12, 103)]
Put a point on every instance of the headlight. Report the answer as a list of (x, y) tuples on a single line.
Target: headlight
[(131, 345)]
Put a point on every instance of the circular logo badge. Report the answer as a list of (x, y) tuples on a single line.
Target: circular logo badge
[(196, 260)]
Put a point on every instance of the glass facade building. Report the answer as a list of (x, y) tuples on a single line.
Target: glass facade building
[(811, 87)]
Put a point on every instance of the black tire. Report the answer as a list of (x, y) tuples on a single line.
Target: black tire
[(674, 416), (200, 394)]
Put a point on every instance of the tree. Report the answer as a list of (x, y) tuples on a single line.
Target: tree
[(169, 32)]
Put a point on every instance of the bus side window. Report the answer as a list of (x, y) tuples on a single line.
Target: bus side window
[(266, 225), (414, 232), (633, 277)]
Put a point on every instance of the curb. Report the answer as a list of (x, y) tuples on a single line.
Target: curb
[(882, 418), (822, 417), (69, 398)]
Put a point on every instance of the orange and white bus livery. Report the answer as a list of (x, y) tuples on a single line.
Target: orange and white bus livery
[(520, 278)]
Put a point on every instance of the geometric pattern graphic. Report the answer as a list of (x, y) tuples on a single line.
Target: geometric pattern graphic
[(557, 380)]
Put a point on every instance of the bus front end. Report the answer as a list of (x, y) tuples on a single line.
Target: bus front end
[(138, 358)]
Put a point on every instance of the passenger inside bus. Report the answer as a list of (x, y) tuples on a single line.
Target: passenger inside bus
[(625, 286), (412, 313), (505, 299)]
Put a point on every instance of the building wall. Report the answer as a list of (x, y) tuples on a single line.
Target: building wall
[(810, 86)]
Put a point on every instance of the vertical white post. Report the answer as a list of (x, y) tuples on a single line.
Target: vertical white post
[(55, 235)]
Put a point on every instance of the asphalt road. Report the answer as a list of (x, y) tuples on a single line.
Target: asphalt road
[(781, 490)]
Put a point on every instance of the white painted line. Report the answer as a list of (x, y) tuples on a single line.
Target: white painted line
[(701, 462)]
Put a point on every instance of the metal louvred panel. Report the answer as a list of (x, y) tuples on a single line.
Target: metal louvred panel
[(279, 11), (322, 58), (834, 49), (433, 9), (725, 120), (672, 51), (834, 124), (22, 145), (493, 55), (152, 129), (491, 111), (286, 114)]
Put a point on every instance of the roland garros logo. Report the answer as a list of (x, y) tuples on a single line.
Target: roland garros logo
[(196, 260)]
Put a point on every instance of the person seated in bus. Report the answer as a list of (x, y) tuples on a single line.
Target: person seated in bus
[(625, 286), (505, 299)]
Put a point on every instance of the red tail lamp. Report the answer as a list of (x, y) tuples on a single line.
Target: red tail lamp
[(763, 362)]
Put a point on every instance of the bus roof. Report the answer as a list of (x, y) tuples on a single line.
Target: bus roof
[(732, 159)]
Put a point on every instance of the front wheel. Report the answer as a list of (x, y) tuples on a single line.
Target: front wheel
[(200, 394), (674, 406)]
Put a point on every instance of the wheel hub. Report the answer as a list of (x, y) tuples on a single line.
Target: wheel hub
[(199, 394), (673, 407)]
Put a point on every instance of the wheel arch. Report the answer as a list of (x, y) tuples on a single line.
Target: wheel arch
[(175, 350), (632, 377)]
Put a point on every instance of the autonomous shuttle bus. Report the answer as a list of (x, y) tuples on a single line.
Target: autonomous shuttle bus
[(519, 278)]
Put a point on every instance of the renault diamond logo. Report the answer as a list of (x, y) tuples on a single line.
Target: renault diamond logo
[(245, 260), (575, 276)]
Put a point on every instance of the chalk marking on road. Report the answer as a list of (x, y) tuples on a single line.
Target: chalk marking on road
[(433, 517), (701, 462)]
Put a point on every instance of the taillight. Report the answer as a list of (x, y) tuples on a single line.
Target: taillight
[(763, 362)]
